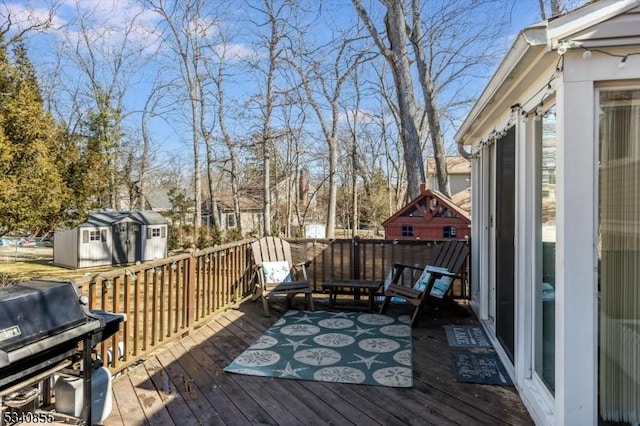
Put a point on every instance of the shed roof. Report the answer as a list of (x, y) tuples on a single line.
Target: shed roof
[(110, 217), (446, 201)]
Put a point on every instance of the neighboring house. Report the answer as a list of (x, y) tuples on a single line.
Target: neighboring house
[(250, 214), (431, 215), (463, 200), (458, 169), (157, 199), (111, 238), (555, 142)]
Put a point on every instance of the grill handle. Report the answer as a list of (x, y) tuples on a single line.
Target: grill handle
[(8, 358)]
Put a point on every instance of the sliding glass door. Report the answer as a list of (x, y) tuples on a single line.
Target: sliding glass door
[(619, 255), (545, 302), (505, 232)]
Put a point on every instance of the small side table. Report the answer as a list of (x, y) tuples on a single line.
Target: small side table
[(334, 287)]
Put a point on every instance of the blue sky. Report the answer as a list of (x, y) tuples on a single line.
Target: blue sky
[(108, 22)]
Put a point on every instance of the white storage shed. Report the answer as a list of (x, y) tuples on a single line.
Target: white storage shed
[(112, 238)]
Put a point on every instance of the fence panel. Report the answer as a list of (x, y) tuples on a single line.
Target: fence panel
[(367, 259), (164, 299)]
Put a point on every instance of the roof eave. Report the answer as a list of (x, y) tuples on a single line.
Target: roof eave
[(548, 34), (534, 35), (563, 27)]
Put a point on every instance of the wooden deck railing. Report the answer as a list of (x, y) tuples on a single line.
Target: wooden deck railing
[(367, 259), (165, 299)]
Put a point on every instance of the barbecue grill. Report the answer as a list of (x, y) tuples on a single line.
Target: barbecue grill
[(46, 327)]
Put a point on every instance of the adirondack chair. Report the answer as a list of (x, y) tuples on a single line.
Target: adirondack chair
[(276, 274), (435, 280)]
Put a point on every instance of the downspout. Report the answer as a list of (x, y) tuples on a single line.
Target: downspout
[(463, 153)]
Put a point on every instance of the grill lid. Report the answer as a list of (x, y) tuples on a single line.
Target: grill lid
[(35, 310)]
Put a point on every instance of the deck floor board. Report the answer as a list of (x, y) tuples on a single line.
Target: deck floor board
[(184, 384)]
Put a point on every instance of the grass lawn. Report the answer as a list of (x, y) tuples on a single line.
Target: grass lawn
[(25, 263)]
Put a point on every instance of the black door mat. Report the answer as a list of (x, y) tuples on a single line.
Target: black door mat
[(480, 367), (466, 336)]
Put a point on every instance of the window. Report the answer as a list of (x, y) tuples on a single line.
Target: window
[(231, 220), (449, 232), (93, 236), (407, 231), (155, 232)]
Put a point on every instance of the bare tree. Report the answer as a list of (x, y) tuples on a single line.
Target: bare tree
[(323, 74), (395, 167), (108, 68), (355, 163), (429, 97), (16, 26), (232, 148), (452, 45), (557, 7), (276, 17), (396, 54), (190, 27), (156, 94)]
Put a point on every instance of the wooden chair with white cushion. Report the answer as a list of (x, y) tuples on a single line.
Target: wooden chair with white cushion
[(276, 274)]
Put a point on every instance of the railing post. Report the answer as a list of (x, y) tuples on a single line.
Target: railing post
[(355, 265), (191, 290)]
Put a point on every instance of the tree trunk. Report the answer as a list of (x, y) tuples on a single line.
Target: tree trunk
[(426, 83), (397, 57)]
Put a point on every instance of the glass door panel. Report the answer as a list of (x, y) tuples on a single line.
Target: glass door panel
[(544, 345), (619, 256)]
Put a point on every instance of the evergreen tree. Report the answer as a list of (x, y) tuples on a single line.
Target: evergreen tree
[(31, 187), (101, 155)]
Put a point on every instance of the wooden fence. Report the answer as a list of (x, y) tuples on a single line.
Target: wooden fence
[(367, 259), (165, 299)]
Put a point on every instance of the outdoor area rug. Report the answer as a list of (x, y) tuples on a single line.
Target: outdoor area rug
[(480, 367), (342, 347), (466, 336)]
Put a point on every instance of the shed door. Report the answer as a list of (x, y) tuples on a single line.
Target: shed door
[(505, 228), (126, 242)]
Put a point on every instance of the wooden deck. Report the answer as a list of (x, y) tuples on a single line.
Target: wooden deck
[(184, 384)]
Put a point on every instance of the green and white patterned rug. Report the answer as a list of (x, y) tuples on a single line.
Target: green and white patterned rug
[(342, 347)]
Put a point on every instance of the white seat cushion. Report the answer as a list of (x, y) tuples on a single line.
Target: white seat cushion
[(276, 272)]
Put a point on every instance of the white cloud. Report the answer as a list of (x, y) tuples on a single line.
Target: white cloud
[(235, 51), (110, 25), (363, 116), (23, 16)]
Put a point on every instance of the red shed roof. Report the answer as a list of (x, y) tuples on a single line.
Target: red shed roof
[(419, 202)]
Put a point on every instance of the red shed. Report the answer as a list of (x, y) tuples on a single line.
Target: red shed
[(431, 215)]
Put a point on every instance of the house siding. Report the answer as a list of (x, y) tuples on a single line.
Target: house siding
[(574, 91)]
